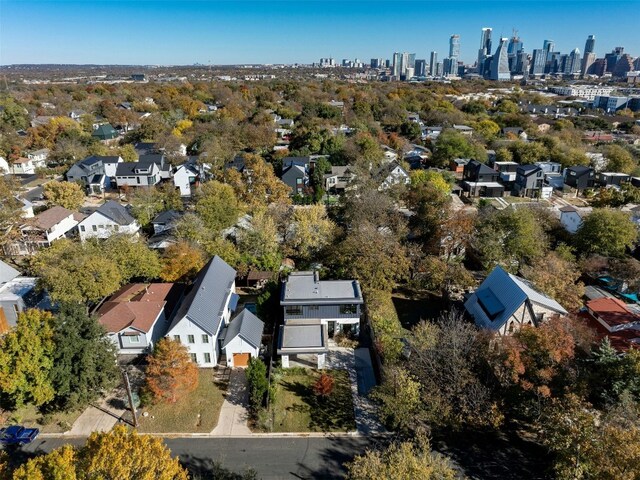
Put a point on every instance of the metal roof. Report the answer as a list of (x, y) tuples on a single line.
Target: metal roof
[(206, 302), (248, 326), (7, 273), (116, 212), (303, 288)]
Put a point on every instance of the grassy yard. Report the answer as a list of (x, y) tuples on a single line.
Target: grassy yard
[(31, 417), (297, 409), (198, 412)]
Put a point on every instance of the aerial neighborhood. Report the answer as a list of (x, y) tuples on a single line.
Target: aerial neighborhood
[(435, 261)]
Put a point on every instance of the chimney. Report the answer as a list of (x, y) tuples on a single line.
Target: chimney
[(316, 276)]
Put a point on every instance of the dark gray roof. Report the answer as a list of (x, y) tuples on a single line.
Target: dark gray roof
[(116, 212), (205, 303), (7, 273), (167, 217), (248, 326)]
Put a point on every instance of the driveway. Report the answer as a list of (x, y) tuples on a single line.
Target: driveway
[(360, 370), (100, 417), (234, 414)]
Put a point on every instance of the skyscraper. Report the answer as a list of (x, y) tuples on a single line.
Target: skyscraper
[(454, 46), (500, 62), (572, 63), (484, 50), (433, 64), (590, 45), (397, 64), (450, 67), (514, 49), (538, 61), (421, 68)]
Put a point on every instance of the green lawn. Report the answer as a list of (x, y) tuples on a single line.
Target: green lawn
[(31, 417), (297, 409), (197, 412)]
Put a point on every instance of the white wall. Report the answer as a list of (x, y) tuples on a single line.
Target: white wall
[(59, 229), (184, 328), (238, 345), (104, 227), (571, 221)]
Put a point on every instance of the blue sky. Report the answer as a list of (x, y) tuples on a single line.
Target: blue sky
[(224, 32)]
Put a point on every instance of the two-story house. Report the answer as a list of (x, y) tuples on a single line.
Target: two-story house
[(135, 317), (611, 179), (295, 173), (338, 179), (391, 174), (314, 311), (508, 172), (201, 321), (504, 303), (570, 218), (17, 293), (529, 180), (42, 230), (109, 219), (185, 178), (22, 166), (479, 180), (149, 170), (579, 177), (96, 172)]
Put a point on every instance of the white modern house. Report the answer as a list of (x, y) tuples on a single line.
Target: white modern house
[(315, 310), (17, 293), (149, 170), (570, 218), (242, 339), (205, 312), (109, 219), (185, 178)]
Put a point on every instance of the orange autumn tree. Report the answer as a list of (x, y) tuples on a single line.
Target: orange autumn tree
[(533, 357), (324, 385), (170, 372), (182, 260)]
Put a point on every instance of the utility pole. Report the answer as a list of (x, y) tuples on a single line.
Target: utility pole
[(127, 385)]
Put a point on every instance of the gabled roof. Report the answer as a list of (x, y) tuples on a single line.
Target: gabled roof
[(105, 131), (614, 312), (528, 169), (7, 273), (580, 170), (500, 295), (167, 217), (205, 303), (116, 212), (247, 326), (47, 219)]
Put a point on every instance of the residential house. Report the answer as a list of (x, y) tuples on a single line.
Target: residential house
[(508, 173), (314, 311), (204, 313), (295, 174), (503, 303), (242, 339), (479, 180), (42, 230), (17, 293), (185, 178), (431, 133), (96, 173), (76, 115), (457, 165), (39, 157), (104, 132), (339, 179), (579, 177), (392, 174), (390, 155), (464, 130), (529, 180), (611, 179), (570, 218), (550, 167), (164, 225), (149, 170), (109, 219), (22, 166), (4, 166), (135, 317), (611, 318), (515, 132), (554, 180)]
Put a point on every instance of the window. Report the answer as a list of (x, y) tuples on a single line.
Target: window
[(207, 358), (134, 339), (205, 338), (138, 180), (176, 338), (82, 228), (348, 309), (101, 227), (94, 228), (194, 357), (117, 227), (191, 339), (294, 310)]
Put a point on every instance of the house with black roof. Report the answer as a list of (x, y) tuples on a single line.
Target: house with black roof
[(95, 173), (479, 180), (149, 170), (529, 180), (579, 177)]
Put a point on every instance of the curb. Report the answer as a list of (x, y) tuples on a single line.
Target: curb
[(353, 434)]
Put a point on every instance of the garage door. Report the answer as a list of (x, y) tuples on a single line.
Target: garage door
[(240, 359)]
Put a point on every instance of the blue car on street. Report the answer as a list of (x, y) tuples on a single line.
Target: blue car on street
[(17, 435)]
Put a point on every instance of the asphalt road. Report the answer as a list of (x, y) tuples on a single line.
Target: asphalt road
[(271, 458)]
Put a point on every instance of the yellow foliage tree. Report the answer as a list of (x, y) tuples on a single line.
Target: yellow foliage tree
[(66, 194), (57, 465), (182, 260)]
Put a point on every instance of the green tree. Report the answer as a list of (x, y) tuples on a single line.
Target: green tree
[(399, 397), (259, 242), (130, 254), (218, 206), (312, 231), (83, 359), (606, 232), (66, 194), (450, 145), (257, 383), (619, 159), (26, 359), (128, 153), (402, 461)]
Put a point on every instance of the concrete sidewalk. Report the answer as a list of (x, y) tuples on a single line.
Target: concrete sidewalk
[(234, 414), (99, 418)]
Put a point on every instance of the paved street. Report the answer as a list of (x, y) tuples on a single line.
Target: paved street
[(272, 458)]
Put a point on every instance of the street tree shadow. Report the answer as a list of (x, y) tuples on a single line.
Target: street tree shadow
[(207, 469)]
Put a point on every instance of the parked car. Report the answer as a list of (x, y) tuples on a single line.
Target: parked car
[(17, 435)]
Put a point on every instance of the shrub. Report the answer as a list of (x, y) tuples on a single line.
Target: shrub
[(323, 387), (257, 383)]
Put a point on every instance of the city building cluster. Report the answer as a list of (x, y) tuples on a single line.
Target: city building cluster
[(508, 61)]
